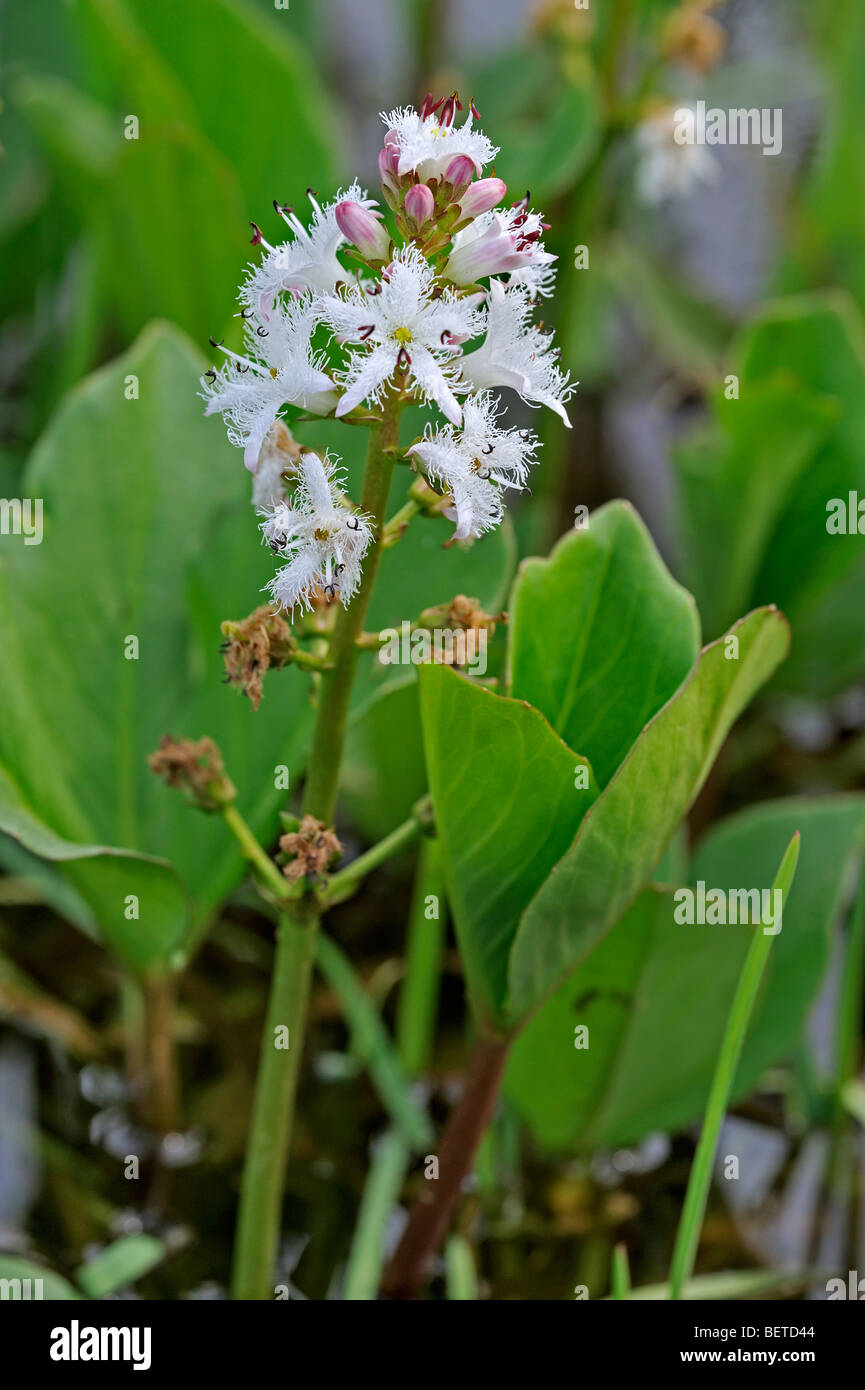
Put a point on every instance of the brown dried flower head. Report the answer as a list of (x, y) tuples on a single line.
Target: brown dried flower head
[(691, 36), (312, 846), (254, 645), (197, 767)]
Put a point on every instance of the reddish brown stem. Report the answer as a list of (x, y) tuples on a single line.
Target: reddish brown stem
[(162, 1101), (433, 1209)]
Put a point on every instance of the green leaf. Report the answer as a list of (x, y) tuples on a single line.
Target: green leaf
[(54, 1287), (732, 1285), (148, 534), (601, 636), (268, 113), (86, 142), (625, 833), (740, 849), (547, 123), (506, 809), (793, 442), (655, 994), (736, 488), (106, 877), (691, 333), (121, 1264)]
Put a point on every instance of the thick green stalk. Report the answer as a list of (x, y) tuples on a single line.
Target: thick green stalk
[(273, 1106), (276, 1083), (336, 683)]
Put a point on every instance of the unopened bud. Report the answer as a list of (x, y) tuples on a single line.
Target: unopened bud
[(481, 196), (460, 173), (419, 205), (364, 229)]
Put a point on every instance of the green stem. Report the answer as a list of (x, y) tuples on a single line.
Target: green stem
[(276, 1083), (336, 683), (621, 1276), (273, 1106), (399, 523), (348, 880), (268, 872), (688, 1235), (386, 1175), (461, 1280), (418, 997)]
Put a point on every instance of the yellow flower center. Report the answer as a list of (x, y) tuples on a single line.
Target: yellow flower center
[(321, 534), (403, 335), (274, 373)]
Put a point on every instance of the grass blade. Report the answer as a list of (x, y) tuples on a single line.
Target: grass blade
[(386, 1174), (688, 1235), (372, 1044), (620, 1281), (460, 1274)]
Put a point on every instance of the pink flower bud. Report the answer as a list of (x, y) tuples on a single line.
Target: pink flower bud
[(482, 196), (364, 229), (460, 173), (419, 204), (384, 169)]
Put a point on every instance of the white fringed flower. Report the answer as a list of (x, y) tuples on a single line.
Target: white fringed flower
[(307, 262), (668, 169), (498, 242), (425, 142), (403, 332), (279, 368), (323, 539), (475, 463), (515, 353)]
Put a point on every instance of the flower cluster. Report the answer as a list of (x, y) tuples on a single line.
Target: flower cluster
[(434, 304)]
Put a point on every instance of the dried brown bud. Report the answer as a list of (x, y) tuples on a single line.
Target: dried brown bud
[(196, 767), (467, 613), (254, 645), (691, 36), (461, 612), (312, 846)]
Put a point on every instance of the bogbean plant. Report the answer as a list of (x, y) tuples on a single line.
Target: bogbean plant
[(357, 315)]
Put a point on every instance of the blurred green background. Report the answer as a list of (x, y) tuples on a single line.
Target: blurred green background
[(139, 138)]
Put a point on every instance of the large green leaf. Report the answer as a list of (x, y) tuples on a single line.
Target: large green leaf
[(148, 534), (546, 121), (255, 93), (791, 443), (506, 804), (627, 830), (656, 993), (735, 488), (601, 636)]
